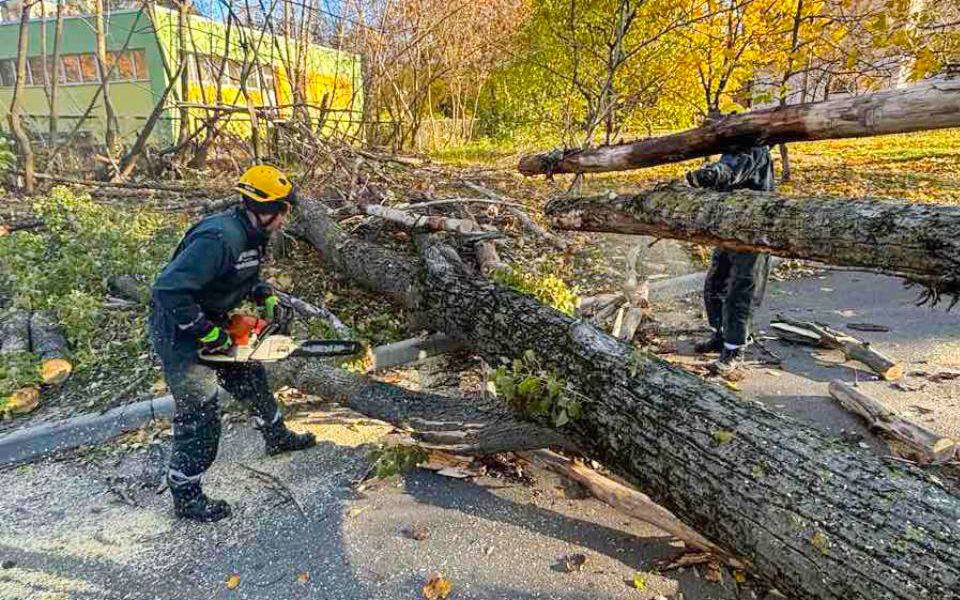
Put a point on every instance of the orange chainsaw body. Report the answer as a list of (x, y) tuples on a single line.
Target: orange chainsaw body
[(242, 328)]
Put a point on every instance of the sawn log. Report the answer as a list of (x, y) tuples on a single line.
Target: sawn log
[(924, 106), (814, 518), (49, 344), (920, 242), (928, 446)]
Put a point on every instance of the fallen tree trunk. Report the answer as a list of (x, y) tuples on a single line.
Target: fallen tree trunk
[(805, 332), (929, 447), (925, 106), (920, 242), (49, 344), (813, 518)]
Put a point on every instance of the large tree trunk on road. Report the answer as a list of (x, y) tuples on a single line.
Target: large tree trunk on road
[(814, 518), (918, 241), (929, 105)]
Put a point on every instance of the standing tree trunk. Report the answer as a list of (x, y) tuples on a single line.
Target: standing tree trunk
[(929, 105), (814, 518), (15, 116), (110, 135), (55, 79), (183, 8), (918, 241)]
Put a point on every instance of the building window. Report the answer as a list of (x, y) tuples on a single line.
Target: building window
[(78, 68), (88, 68)]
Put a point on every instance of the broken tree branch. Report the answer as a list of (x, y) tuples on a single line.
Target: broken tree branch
[(924, 106), (417, 221), (626, 500), (931, 447), (921, 241), (853, 349), (528, 223)]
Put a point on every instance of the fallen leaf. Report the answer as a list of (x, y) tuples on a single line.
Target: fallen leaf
[(731, 385), (303, 577), (639, 581), (417, 532), (739, 576), (712, 572), (233, 582), (353, 512), (573, 562), (437, 588), (722, 437)]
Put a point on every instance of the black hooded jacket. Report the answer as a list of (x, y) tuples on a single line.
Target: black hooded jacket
[(750, 169), (214, 268)]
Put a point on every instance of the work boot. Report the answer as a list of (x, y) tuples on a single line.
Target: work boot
[(279, 439), (189, 501), (730, 360), (714, 344)]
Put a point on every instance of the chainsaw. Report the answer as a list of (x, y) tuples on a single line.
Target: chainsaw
[(258, 340)]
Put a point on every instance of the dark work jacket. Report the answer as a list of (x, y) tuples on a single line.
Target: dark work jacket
[(750, 169), (215, 267)]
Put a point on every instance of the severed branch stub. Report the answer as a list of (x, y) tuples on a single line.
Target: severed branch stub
[(816, 334), (929, 447)]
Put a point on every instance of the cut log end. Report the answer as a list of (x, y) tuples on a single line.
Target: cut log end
[(55, 371), (893, 373), (23, 401)]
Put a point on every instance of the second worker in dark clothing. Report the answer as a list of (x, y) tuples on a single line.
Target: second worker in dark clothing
[(736, 281), (214, 269)]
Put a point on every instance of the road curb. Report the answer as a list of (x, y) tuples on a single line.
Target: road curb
[(31, 443)]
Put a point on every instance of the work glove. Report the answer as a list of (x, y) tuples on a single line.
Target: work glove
[(271, 307), (215, 341)]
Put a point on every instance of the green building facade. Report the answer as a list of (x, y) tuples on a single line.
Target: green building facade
[(143, 46)]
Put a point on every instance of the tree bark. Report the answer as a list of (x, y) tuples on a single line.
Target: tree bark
[(110, 131), (15, 116), (15, 332), (930, 105), (929, 447), (815, 519), (53, 125), (920, 242)]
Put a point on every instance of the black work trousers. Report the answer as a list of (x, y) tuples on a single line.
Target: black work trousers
[(734, 287), (196, 389)]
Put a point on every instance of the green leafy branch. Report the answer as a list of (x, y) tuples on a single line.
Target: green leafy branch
[(531, 389)]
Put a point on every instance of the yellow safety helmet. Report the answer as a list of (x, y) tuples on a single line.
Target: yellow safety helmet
[(266, 189)]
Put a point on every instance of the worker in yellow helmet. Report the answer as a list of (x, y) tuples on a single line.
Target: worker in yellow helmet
[(214, 268)]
